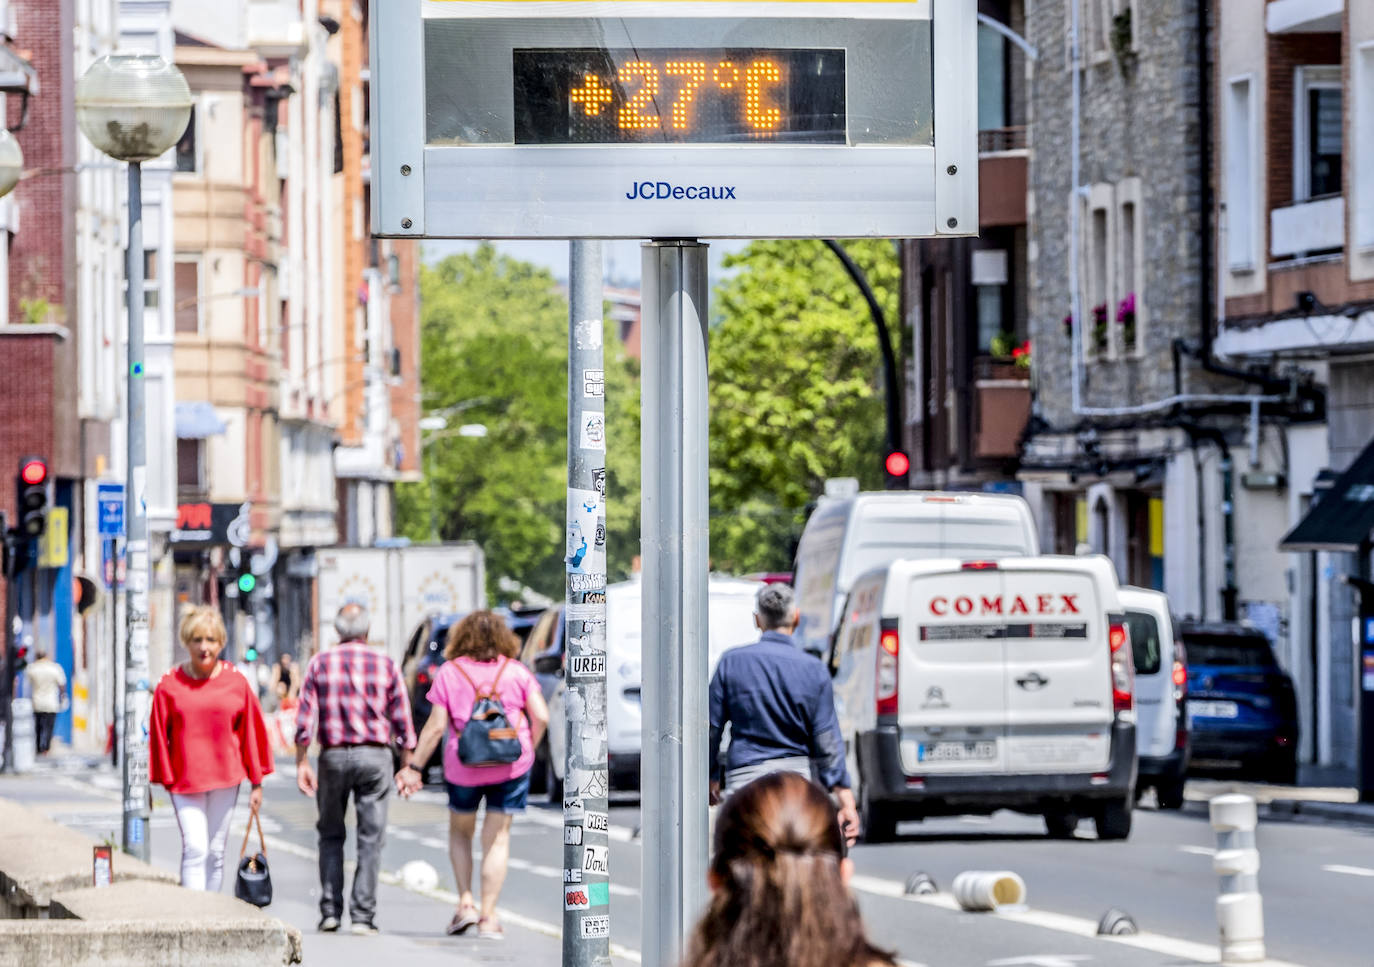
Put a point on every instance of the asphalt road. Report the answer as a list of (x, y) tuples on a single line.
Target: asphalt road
[(1317, 878)]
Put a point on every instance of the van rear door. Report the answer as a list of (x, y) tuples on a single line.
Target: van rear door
[(1058, 669), (952, 677)]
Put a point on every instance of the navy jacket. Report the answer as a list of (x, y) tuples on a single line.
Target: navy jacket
[(779, 703)]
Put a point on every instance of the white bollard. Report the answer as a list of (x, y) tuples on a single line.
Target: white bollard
[(1240, 910), (980, 890)]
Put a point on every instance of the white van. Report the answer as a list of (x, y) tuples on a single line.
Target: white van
[(845, 538), (1161, 687), (968, 687), (730, 609)]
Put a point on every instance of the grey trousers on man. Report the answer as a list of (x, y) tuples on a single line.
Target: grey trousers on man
[(365, 773)]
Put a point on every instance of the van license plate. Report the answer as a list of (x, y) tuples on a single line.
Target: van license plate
[(1212, 710), (956, 751)]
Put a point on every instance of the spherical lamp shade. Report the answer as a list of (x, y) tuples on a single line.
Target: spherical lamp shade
[(11, 162), (133, 107)]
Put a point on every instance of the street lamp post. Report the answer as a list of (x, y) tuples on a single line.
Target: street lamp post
[(11, 170), (134, 108)]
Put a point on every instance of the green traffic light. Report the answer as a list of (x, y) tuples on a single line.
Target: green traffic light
[(247, 583), (251, 654)]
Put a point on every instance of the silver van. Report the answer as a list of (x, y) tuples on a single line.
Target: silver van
[(1161, 689), (845, 538)]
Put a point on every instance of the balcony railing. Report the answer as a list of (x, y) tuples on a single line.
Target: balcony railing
[(1307, 226), (1001, 140)]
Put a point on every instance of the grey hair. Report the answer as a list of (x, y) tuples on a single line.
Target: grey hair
[(774, 606), (352, 622)]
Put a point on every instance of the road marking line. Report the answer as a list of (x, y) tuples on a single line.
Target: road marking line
[(1348, 870), (433, 843), (1198, 850), (399, 833)]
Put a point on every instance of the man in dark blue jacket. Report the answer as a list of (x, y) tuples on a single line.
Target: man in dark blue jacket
[(780, 707)]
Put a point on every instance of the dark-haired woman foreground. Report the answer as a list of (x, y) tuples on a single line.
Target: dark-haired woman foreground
[(780, 884)]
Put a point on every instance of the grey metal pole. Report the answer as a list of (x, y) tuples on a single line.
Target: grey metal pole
[(136, 548), (586, 789), (674, 776)]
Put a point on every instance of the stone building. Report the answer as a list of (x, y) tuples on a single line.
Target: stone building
[(1143, 445)]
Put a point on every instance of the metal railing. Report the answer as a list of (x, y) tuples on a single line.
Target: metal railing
[(995, 140)]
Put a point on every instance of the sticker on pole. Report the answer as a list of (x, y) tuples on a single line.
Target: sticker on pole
[(587, 666), (584, 554), (596, 926), (782, 119), (596, 859)]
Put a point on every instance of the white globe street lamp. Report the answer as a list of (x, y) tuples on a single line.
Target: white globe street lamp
[(134, 108), (11, 162)]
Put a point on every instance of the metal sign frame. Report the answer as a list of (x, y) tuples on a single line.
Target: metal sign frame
[(495, 191)]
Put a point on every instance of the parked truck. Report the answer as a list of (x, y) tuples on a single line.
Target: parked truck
[(399, 585)]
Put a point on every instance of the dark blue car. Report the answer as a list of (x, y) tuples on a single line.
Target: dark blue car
[(1241, 705)]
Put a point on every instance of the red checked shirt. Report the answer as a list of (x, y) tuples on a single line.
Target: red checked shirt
[(358, 694)]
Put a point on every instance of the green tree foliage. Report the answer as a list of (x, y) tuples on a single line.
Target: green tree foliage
[(494, 343), (795, 391)]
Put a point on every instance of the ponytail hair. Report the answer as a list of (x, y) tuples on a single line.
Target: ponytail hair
[(779, 898)]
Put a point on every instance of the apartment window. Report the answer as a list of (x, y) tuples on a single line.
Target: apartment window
[(186, 147), (191, 466), (1318, 133), (151, 281), (1240, 186), (187, 283), (1099, 284), (1128, 313), (990, 277), (992, 80), (1362, 171)]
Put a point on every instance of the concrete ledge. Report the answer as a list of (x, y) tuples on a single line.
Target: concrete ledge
[(39, 858), (167, 943)]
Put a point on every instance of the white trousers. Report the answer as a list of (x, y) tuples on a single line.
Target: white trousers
[(204, 821)]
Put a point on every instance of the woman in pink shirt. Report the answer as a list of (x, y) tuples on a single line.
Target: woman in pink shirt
[(481, 654)]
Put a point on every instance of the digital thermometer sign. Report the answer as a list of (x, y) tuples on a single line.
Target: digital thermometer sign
[(718, 95), (631, 119)]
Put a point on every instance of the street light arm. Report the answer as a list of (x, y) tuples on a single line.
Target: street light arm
[(894, 418), (1030, 49)]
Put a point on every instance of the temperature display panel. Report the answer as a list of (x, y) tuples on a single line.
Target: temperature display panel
[(716, 95)]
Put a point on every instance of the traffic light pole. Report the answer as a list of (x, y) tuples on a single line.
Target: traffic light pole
[(135, 742)]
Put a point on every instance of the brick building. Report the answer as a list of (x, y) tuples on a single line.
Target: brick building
[(59, 272), (1295, 170)]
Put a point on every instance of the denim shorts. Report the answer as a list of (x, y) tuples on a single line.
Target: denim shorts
[(501, 797)]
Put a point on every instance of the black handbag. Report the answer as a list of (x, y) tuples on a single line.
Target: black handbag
[(254, 882)]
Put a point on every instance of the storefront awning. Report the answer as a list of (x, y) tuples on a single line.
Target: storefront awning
[(197, 420), (1343, 518)]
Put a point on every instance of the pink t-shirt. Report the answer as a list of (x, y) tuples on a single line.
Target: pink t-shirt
[(456, 695)]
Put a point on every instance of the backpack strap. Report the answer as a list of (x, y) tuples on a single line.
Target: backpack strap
[(490, 690)]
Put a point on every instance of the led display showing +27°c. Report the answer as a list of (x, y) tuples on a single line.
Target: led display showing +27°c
[(716, 95)]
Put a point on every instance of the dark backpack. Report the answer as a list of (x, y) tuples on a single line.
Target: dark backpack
[(488, 739)]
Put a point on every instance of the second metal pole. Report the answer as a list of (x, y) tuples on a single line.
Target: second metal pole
[(586, 790), (674, 775), (136, 578)]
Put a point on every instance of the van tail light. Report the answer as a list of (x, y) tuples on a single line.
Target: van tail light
[(885, 681), (979, 566), (1123, 668)]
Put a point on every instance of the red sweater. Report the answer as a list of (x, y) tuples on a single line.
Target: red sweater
[(206, 734)]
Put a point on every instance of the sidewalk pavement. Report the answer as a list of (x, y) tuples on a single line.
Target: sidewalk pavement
[(79, 791)]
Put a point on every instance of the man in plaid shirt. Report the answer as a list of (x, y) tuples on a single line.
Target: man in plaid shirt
[(357, 695)]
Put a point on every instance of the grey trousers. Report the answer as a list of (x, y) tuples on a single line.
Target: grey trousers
[(744, 775), (365, 773)]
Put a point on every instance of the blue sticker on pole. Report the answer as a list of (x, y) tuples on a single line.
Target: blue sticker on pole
[(110, 501), (135, 830), (1369, 631)]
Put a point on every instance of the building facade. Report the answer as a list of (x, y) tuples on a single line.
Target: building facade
[(964, 300), (1143, 445), (1294, 103)]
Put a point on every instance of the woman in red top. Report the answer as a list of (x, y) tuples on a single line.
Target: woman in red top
[(205, 736)]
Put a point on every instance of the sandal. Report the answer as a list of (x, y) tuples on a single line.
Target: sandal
[(465, 917), (490, 929)]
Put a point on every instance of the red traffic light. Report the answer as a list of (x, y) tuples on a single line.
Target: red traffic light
[(897, 463), (33, 472)]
